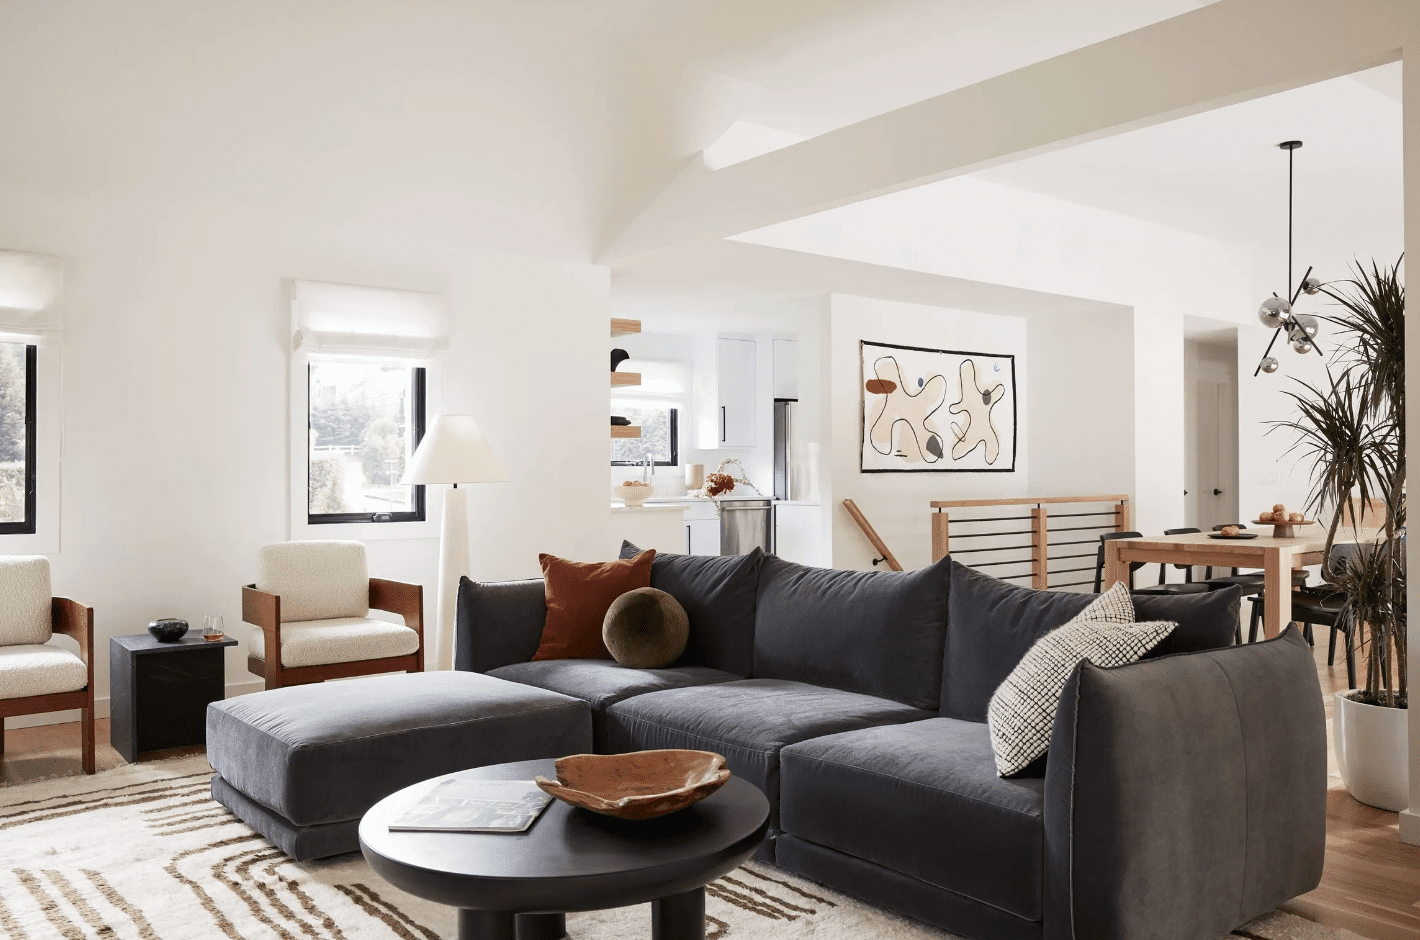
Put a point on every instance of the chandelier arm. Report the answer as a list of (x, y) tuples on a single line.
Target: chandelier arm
[(1300, 284), (1268, 352)]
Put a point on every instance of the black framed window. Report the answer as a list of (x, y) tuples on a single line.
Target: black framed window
[(17, 438), (660, 433), (363, 420)]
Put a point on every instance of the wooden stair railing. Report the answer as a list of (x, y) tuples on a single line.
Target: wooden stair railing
[(1037, 526), (878, 544)]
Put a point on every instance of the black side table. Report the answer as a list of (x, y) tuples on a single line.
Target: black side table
[(159, 692)]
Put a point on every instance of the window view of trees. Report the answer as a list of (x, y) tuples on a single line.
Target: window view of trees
[(14, 404), (360, 437), (657, 423)]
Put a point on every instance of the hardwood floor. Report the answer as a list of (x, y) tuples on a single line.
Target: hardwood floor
[(1371, 884), (53, 751)]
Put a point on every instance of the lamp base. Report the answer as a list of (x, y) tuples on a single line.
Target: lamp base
[(453, 564)]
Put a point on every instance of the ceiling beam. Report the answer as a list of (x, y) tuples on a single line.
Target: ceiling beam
[(1228, 52)]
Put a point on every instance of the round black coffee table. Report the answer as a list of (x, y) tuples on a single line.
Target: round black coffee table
[(519, 885)]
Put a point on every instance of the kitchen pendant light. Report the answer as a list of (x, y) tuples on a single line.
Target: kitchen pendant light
[(1276, 313)]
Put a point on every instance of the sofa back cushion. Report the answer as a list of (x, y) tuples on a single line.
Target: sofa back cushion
[(499, 623), (719, 594), (993, 623), (321, 580), (877, 632), (24, 584)]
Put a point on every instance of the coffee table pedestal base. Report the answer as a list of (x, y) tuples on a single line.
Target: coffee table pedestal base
[(677, 917)]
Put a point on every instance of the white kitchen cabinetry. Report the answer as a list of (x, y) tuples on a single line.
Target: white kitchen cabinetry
[(702, 529), (735, 375), (725, 383), (786, 368), (796, 533)]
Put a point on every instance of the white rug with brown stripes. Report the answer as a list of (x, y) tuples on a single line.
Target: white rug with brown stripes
[(143, 853)]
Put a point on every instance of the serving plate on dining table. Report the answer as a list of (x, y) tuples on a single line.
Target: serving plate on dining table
[(1240, 535)]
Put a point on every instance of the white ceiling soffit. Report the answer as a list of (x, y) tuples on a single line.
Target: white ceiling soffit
[(700, 281), (1231, 51)]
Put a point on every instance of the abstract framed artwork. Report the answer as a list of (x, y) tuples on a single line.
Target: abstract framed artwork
[(937, 410)]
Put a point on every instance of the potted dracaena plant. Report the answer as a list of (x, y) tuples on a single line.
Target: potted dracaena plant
[(1354, 432)]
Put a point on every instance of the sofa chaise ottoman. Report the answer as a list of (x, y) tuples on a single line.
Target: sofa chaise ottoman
[(302, 764)]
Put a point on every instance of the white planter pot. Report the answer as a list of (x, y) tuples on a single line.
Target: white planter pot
[(1372, 751)]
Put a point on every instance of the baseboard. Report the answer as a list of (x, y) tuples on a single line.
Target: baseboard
[(1410, 827), (101, 707)]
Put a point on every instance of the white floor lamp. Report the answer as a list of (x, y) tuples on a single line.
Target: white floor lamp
[(452, 451)]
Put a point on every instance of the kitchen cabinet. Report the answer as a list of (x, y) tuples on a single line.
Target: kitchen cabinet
[(702, 536), (796, 533), (786, 368), (735, 374)]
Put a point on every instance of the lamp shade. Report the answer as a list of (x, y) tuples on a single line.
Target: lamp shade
[(453, 451)]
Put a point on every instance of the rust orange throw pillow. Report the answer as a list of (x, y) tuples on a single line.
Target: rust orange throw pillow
[(578, 596)]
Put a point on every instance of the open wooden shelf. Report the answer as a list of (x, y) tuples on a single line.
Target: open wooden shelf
[(625, 430), (621, 327), (618, 379)]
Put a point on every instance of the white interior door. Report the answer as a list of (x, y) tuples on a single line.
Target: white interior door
[(1216, 455)]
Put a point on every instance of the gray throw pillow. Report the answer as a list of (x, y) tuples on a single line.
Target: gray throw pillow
[(1022, 712), (645, 629)]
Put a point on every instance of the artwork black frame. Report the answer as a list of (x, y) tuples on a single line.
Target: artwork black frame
[(863, 409)]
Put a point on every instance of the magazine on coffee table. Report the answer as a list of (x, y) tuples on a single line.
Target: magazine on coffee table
[(475, 806)]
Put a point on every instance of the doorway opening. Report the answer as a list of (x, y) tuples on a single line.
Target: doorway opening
[(1210, 371)]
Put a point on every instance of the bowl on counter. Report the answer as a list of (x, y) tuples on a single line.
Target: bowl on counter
[(633, 496)]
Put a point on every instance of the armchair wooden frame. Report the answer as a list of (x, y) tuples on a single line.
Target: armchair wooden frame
[(71, 619), (262, 609)]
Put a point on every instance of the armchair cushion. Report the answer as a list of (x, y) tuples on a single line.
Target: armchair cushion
[(36, 669), (24, 617), (338, 640), (317, 580)]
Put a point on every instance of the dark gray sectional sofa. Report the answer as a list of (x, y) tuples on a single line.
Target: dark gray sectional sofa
[(1182, 795)]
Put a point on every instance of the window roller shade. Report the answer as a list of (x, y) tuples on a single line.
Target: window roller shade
[(345, 319), (29, 295)]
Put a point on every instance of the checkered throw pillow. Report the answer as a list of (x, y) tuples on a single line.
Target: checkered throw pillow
[(1022, 710)]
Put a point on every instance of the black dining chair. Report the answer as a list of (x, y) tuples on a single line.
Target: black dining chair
[(1160, 588), (1313, 605)]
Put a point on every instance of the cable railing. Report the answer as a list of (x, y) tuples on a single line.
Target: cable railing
[(1063, 535)]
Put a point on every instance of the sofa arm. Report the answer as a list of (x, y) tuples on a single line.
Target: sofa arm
[(1185, 795), (498, 623)]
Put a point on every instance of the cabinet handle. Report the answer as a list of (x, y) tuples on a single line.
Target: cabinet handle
[(722, 424)]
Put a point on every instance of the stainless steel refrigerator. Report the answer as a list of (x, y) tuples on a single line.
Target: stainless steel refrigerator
[(785, 413)]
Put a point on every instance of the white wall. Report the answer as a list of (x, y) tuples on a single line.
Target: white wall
[(986, 232), (175, 390), (1082, 404), (897, 503)]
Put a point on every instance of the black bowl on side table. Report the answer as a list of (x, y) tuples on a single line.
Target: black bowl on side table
[(168, 629)]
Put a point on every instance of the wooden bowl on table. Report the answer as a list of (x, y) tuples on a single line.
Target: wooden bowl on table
[(1283, 530), (640, 785)]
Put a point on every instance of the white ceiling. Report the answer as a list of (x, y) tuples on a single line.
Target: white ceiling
[(1220, 174), (532, 126)]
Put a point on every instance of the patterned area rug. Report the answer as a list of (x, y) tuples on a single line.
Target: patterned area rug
[(143, 853)]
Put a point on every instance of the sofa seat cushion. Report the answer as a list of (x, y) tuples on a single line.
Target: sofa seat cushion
[(327, 752), (922, 799), (37, 669), (602, 683), (748, 721), (343, 640)]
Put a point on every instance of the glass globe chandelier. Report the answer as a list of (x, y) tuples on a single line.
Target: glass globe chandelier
[(1276, 313)]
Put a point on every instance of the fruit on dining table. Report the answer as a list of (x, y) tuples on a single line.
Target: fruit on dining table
[(1279, 508), (1264, 517), (1229, 530), (1296, 517)]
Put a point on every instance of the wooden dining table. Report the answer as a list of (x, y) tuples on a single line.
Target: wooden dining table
[(1277, 557)]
